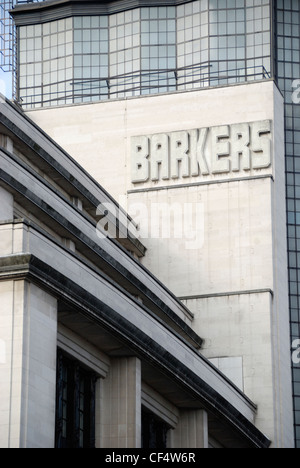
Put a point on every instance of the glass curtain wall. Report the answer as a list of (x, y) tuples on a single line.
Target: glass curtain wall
[(144, 51), (287, 16), (46, 63)]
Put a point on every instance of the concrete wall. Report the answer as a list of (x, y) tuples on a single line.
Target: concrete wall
[(192, 430), (99, 135), (122, 405)]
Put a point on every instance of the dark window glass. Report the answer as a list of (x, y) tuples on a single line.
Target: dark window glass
[(75, 405), (154, 432)]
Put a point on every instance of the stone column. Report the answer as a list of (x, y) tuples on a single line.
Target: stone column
[(6, 205), (6, 142), (121, 405), (192, 430), (28, 343)]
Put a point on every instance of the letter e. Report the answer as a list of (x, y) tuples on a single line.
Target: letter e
[(220, 150)]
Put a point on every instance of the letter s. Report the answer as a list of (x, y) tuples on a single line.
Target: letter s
[(261, 144)]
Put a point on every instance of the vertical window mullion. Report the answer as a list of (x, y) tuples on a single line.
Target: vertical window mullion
[(91, 403), (75, 410), (59, 403)]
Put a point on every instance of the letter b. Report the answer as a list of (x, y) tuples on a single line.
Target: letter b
[(140, 166)]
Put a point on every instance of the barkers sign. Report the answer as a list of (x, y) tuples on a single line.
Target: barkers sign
[(201, 152)]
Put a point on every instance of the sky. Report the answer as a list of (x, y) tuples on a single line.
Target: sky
[(6, 84)]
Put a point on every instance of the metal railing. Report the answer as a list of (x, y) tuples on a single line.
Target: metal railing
[(139, 83), (17, 2)]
